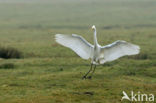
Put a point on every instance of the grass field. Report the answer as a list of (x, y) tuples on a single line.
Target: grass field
[(50, 73)]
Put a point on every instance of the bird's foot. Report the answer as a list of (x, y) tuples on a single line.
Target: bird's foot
[(84, 77), (89, 77)]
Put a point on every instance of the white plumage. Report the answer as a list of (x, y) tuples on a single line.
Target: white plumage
[(77, 43), (118, 49), (98, 54)]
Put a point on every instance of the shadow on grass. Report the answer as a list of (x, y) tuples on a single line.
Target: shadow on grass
[(7, 66)]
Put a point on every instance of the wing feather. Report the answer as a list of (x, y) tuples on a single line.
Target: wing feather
[(77, 43), (118, 49)]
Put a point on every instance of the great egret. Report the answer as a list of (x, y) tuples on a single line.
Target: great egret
[(98, 54)]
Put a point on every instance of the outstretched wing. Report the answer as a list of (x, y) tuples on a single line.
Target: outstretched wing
[(118, 49), (77, 43)]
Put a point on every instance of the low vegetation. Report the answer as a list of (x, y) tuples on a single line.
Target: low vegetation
[(7, 66), (9, 52), (50, 73)]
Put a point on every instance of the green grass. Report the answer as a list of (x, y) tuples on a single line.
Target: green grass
[(50, 73)]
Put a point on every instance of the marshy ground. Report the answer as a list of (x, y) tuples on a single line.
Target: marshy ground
[(49, 73)]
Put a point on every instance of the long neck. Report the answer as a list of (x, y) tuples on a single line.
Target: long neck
[(95, 38)]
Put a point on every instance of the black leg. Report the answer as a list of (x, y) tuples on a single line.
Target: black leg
[(84, 77), (92, 72)]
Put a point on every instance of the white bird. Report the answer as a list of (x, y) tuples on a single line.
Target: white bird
[(98, 54)]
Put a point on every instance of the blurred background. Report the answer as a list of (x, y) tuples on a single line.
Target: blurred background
[(42, 71), (24, 23)]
